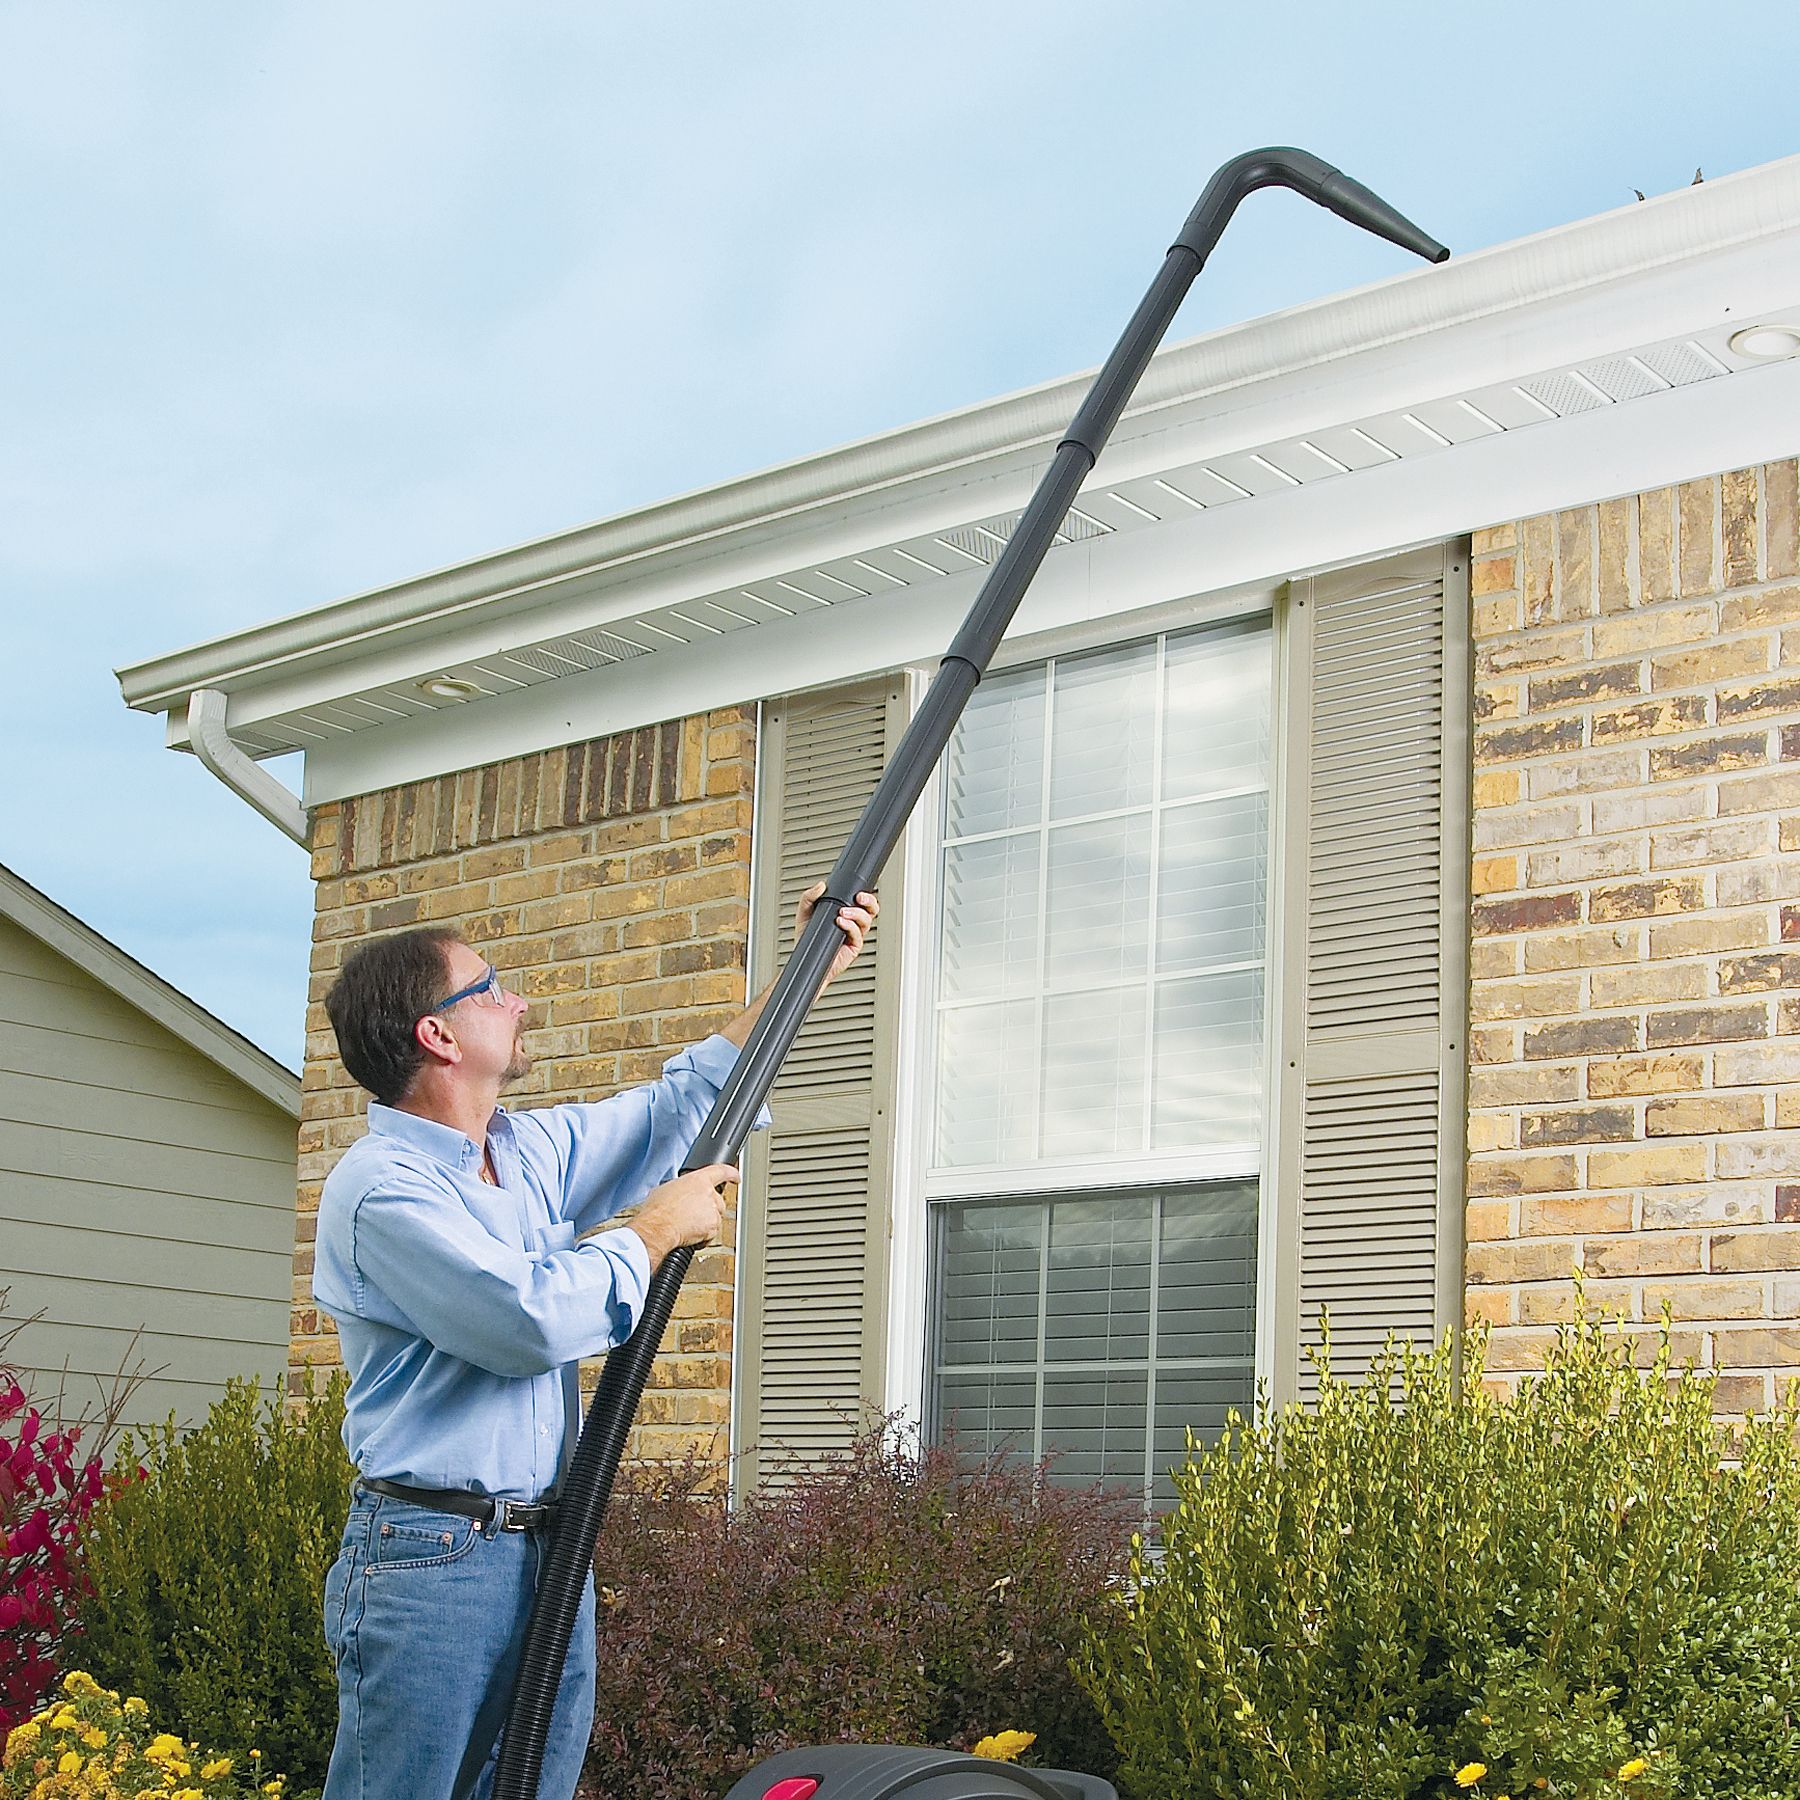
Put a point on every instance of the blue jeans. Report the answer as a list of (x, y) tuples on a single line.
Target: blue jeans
[(425, 1618)]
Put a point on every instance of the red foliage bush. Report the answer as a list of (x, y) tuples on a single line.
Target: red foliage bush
[(46, 1490), (44, 1493), (901, 1596)]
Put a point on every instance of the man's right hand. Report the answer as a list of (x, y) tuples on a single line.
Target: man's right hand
[(688, 1210)]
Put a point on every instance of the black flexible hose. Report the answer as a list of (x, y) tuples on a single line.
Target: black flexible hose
[(588, 1485)]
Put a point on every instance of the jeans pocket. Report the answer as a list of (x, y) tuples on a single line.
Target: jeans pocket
[(413, 1537)]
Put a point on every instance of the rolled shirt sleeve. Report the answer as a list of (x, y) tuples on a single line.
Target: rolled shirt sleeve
[(510, 1311)]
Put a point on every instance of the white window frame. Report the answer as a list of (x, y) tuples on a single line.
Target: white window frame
[(916, 1185)]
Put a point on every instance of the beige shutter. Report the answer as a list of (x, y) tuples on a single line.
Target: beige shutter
[(813, 1263), (1374, 916)]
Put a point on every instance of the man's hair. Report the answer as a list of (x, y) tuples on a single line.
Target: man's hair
[(383, 990)]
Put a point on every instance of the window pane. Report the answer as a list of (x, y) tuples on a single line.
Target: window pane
[(1108, 1340), (994, 772), (989, 1416), (1098, 1302), (990, 934), (1103, 731), (1093, 1073), (1198, 1402), (1215, 710), (992, 1266), (1097, 922), (987, 1084), (1209, 1077), (1206, 1287), (1209, 897), (1094, 1428)]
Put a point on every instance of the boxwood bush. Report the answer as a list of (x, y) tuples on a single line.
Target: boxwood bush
[(206, 1564), (1420, 1589), (899, 1595)]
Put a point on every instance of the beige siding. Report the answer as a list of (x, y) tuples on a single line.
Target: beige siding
[(142, 1189)]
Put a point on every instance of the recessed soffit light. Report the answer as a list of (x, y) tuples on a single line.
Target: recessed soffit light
[(1766, 343), (447, 687)]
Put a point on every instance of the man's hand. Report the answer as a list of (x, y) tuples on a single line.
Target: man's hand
[(856, 921), (688, 1210)]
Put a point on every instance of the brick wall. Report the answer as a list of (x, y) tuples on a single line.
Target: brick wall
[(609, 882), (1635, 991)]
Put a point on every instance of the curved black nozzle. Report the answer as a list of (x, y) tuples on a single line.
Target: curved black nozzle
[(1306, 174), (588, 1483)]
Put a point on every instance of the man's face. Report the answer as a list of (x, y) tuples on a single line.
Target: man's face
[(489, 1028)]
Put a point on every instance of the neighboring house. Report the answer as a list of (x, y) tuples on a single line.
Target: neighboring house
[(1368, 880), (146, 1175)]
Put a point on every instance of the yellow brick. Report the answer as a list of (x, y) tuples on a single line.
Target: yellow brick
[(1713, 662), (1643, 1253), (1493, 1131), (1487, 1221), (1706, 1299), (1496, 787), (1574, 1216), (1491, 1306), (1618, 1077), (1694, 1118), (1521, 1175), (1648, 1167), (1638, 632)]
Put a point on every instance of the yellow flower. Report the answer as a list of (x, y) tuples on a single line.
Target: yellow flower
[(28, 1733), (63, 1719), (79, 1681), (1005, 1746), (94, 1737), (275, 1786), (136, 1708), (1470, 1773), (220, 1765), (68, 1762), (187, 1794), (1632, 1770)]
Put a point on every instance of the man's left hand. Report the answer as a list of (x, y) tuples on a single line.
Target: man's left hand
[(856, 922)]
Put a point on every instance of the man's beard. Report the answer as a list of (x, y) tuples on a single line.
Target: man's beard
[(519, 1063)]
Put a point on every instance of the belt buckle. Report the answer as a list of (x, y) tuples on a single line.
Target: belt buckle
[(521, 1516)]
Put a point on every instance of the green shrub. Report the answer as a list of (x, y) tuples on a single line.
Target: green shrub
[(207, 1563), (897, 1596), (1423, 1590)]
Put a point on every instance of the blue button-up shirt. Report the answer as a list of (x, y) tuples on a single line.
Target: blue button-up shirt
[(463, 1308)]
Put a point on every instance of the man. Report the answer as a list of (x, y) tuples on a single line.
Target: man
[(448, 1254)]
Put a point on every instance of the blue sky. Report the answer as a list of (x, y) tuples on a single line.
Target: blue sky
[(306, 298)]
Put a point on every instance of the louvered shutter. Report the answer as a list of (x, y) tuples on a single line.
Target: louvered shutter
[(1370, 1097), (814, 1244)]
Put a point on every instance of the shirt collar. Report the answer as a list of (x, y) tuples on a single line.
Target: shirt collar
[(443, 1143)]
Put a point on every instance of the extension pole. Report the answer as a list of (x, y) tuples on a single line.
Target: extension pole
[(581, 1505)]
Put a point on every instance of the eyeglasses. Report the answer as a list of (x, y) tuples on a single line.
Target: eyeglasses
[(487, 989)]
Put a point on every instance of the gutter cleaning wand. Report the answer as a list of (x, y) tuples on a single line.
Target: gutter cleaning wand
[(588, 1485)]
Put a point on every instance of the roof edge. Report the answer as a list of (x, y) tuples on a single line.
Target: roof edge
[(1547, 266), (34, 911)]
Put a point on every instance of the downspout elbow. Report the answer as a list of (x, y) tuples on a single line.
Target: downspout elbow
[(212, 743)]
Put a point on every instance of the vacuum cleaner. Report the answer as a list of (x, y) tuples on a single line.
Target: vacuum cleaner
[(856, 1771)]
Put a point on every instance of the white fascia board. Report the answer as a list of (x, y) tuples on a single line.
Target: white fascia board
[(1746, 283), (1753, 416), (1482, 300)]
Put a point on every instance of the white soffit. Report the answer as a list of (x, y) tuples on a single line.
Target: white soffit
[(742, 615)]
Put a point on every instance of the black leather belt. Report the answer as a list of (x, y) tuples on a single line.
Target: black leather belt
[(515, 1515)]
